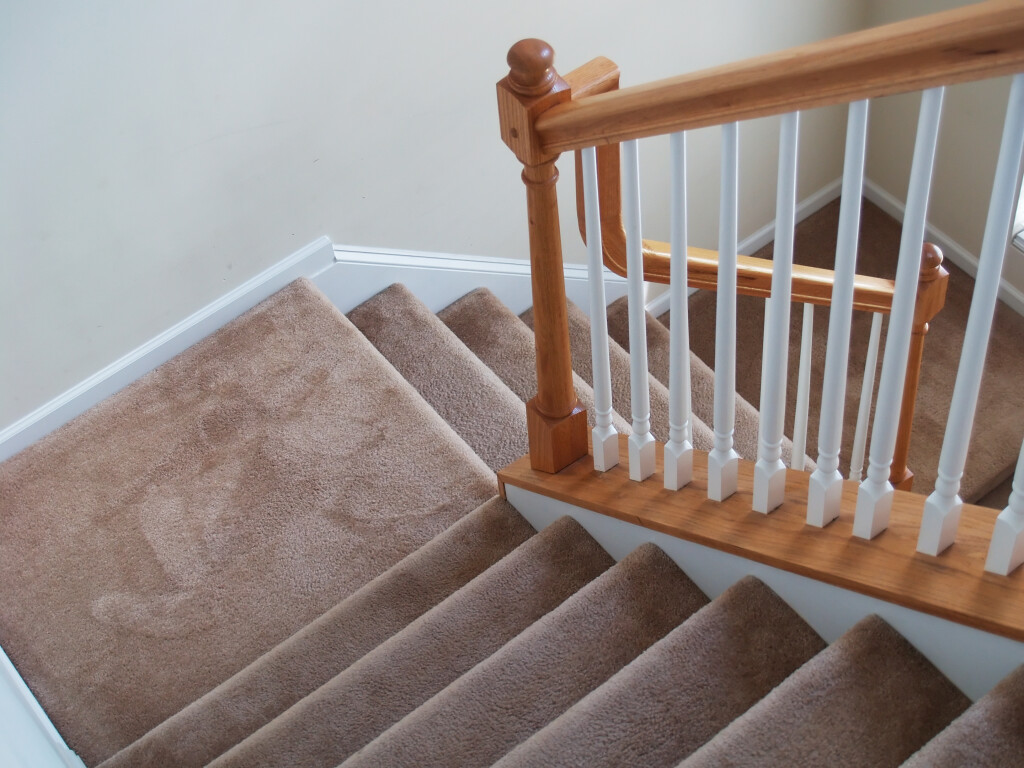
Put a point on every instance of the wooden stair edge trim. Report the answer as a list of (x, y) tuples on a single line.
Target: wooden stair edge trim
[(952, 586)]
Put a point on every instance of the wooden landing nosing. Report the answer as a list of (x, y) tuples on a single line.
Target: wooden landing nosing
[(953, 585)]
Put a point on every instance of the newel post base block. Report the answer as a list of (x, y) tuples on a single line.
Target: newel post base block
[(555, 443), (606, 447), (1006, 551), (769, 485), (678, 464), (904, 483), (939, 522), (874, 507), (723, 474), (824, 497)]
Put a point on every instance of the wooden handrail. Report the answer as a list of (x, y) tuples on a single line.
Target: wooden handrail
[(970, 43)]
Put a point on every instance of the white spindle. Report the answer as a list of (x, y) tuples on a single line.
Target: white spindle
[(678, 449), (605, 437), (803, 391), (641, 441), (723, 461), (770, 470), (867, 393), (825, 489), (1006, 551), (874, 497), (942, 509)]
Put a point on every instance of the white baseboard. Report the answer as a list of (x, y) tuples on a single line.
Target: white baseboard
[(951, 249), (766, 234), (974, 660), (27, 737), (305, 262), (438, 279)]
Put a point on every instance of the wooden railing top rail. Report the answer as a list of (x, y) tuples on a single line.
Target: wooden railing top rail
[(970, 43)]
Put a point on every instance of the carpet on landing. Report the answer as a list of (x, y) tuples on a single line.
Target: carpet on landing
[(164, 539)]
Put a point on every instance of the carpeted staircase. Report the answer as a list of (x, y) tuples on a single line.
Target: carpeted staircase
[(284, 548)]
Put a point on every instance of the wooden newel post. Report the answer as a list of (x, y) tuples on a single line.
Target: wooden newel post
[(557, 425), (931, 297)]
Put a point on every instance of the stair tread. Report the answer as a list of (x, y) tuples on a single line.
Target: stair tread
[(990, 734), (255, 695), (465, 392), (505, 344), (681, 691), (869, 699), (544, 670), (702, 381), (579, 340), (407, 669), (189, 523)]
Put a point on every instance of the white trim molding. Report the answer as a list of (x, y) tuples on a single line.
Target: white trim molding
[(27, 737), (974, 660), (766, 234), (306, 262), (951, 249), (438, 279)]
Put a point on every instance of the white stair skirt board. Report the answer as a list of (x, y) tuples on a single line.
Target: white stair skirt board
[(951, 249), (438, 279), (27, 737), (306, 262), (974, 660), (813, 203)]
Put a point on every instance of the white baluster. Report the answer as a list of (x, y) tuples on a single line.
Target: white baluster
[(723, 461), (803, 391), (874, 497), (679, 448), (942, 509), (605, 437), (825, 488), (1006, 551), (641, 442), (770, 470), (867, 393)]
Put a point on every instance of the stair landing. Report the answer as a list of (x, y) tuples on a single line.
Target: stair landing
[(953, 586)]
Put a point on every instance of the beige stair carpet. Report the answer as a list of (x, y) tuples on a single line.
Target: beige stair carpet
[(999, 423), (251, 698), (990, 734), (579, 339), (870, 699), (683, 690), (702, 380), (435, 649), (174, 533), (505, 344), (543, 671), (464, 391)]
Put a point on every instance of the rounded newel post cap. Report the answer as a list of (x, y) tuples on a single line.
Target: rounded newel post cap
[(931, 258), (531, 67)]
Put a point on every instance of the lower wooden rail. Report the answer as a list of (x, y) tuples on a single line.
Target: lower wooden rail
[(952, 586)]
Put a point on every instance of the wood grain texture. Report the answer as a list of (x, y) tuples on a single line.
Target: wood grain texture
[(970, 43), (953, 586)]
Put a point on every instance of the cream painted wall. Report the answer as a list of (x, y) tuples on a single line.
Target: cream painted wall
[(155, 155), (972, 123)]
